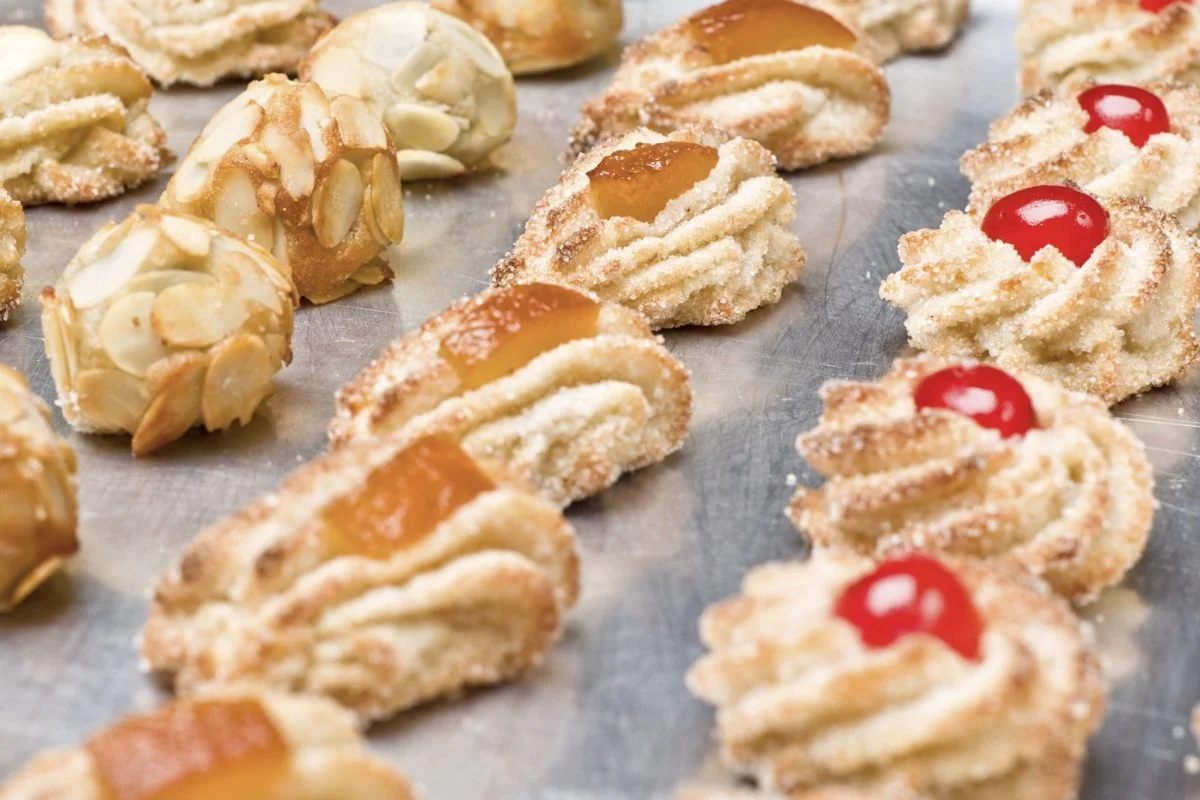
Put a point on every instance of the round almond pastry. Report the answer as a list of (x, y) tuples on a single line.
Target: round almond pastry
[(351, 583), (440, 87), (74, 120), (165, 322), (1050, 139), (914, 679), (788, 75), (314, 180), (38, 515), (542, 35), (1065, 43), (905, 26), (12, 247), (237, 743), (567, 391), (692, 228), (1112, 318), (198, 42), (1067, 493)]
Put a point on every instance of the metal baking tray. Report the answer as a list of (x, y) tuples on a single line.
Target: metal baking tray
[(607, 716)]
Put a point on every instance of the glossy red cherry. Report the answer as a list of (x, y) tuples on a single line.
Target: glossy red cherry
[(1155, 6), (1056, 216), (990, 396), (1133, 111), (908, 595)]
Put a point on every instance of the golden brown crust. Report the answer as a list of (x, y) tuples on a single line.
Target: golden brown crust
[(1071, 501), (905, 26), (12, 248), (806, 106), (718, 251), (1117, 326)]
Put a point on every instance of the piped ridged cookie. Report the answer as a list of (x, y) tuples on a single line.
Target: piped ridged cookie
[(905, 26), (691, 228), (390, 573), (12, 248), (567, 391)]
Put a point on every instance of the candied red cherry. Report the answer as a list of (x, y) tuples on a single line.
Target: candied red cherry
[(1056, 216), (990, 396), (1135, 112), (1155, 6), (908, 595)]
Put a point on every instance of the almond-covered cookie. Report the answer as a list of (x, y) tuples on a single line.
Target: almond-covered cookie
[(74, 120), (390, 573), (233, 743), (12, 248), (440, 87), (964, 458), (165, 322), (918, 678), (542, 35), (692, 228), (38, 509), (566, 390), (795, 78), (198, 42), (308, 176), (905, 26), (1065, 43), (1096, 294)]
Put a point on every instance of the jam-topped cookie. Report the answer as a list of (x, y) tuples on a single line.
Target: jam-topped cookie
[(1098, 294), (387, 574), (12, 248), (912, 26), (793, 77), (917, 677), (692, 228), (965, 458)]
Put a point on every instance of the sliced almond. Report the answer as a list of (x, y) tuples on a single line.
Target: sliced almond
[(336, 203), (474, 45), (189, 236), (236, 209), (297, 172), (238, 379), (336, 70), (155, 282), (244, 275), (111, 400), (418, 127), (387, 201), (496, 112), (55, 341), (314, 120), (449, 82), (358, 127), (419, 165), (197, 315), (179, 384), (237, 126), (104, 277), (127, 336)]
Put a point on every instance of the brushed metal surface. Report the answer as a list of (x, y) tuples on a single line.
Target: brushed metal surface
[(608, 715)]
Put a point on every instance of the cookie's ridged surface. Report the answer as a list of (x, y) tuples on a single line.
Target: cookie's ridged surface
[(905, 26), (12, 248)]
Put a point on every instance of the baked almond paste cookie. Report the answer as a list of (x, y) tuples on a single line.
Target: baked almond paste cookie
[(75, 125), (565, 390), (38, 509), (542, 35), (1112, 140), (309, 177), (440, 87), (788, 75), (1065, 43), (917, 678), (965, 458), (1096, 294), (692, 228), (905, 26), (390, 573), (12, 248), (234, 743), (198, 42), (163, 323)]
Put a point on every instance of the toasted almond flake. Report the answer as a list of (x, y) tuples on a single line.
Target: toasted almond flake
[(111, 400), (236, 127), (158, 280), (417, 127), (56, 350), (176, 406), (197, 315), (189, 236), (497, 113), (419, 165), (358, 127), (238, 379), (337, 71), (387, 201), (449, 82), (314, 120), (236, 209), (477, 47), (297, 172), (336, 203), (244, 275), (127, 335), (104, 277)]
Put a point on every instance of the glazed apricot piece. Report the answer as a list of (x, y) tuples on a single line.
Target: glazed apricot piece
[(739, 29), (640, 182), (403, 501), (192, 751), (512, 326)]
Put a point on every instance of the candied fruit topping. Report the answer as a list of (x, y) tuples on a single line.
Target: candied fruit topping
[(1132, 110), (404, 500), (640, 182), (192, 751), (739, 29), (1072, 222), (511, 327), (990, 396), (1154, 6)]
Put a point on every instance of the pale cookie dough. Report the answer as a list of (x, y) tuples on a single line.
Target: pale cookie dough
[(12, 248), (905, 26)]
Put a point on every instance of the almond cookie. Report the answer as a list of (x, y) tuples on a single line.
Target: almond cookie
[(692, 228), (12, 247), (792, 77), (1065, 43), (917, 678), (440, 87), (1096, 294), (964, 458), (905, 26), (385, 575), (567, 391), (38, 514), (198, 42), (165, 322), (1112, 140), (311, 178), (74, 120), (234, 743), (542, 35)]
